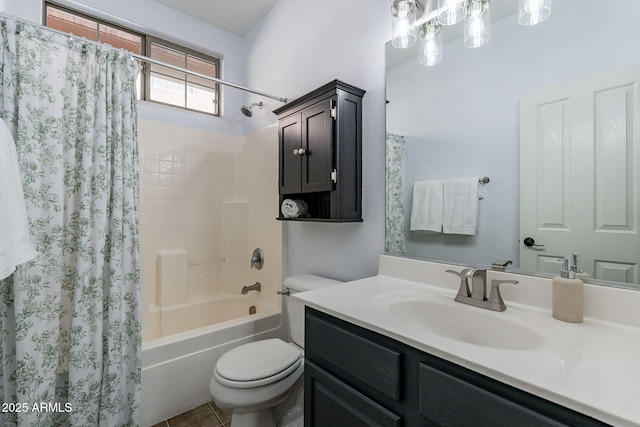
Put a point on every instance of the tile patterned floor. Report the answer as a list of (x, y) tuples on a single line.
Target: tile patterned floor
[(207, 415)]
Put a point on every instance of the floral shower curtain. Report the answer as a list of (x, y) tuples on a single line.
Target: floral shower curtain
[(394, 217), (69, 320)]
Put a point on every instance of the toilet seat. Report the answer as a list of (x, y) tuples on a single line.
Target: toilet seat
[(257, 364)]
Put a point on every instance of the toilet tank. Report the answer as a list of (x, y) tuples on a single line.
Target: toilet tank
[(295, 310)]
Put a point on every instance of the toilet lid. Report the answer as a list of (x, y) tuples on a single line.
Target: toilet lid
[(257, 363)]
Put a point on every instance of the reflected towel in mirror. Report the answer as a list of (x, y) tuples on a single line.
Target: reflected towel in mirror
[(427, 208), (460, 206)]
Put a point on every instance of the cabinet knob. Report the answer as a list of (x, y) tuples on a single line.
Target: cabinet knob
[(299, 151)]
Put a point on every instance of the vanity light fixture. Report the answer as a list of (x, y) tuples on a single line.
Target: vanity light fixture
[(430, 43), (532, 12), (450, 12), (403, 27), (477, 25)]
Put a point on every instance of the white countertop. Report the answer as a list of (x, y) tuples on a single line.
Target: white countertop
[(600, 376)]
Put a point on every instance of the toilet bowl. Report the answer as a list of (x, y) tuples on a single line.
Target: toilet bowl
[(252, 379)]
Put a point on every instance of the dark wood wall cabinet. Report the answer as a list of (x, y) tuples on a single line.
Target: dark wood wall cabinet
[(320, 138), (357, 377)]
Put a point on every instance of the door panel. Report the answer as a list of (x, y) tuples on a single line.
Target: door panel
[(579, 175), (614, 159), (554, 165), (290, 166), (317, 136)]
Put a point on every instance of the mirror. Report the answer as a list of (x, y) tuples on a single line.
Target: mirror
[(461, 118)]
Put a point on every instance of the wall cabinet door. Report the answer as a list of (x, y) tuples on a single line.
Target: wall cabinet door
[(306, 150), (317, 142), (290, 165)]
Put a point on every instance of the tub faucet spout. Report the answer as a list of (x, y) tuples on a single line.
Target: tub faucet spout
[(255, 287)]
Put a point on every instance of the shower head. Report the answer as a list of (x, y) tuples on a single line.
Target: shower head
[(247, 110)]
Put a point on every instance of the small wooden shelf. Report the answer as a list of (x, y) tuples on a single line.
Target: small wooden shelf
[(321, 219)]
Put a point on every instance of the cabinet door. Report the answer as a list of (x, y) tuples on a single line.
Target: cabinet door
[(329, 402), (290, 135), (317, 141)]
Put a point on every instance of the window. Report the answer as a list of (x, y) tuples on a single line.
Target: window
[(181, 89), (157, 83)]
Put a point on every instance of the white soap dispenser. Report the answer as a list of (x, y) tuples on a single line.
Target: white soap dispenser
[(568, 295)]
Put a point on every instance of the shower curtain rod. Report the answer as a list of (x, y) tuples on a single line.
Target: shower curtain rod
[(204, 76), (155, 61)]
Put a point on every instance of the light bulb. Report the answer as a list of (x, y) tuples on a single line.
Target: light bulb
[(431, 52), (404, 9), (477, 30), (403, 34), (449, 6), (451, 12), (476, 26), (403, 23), (532, 12), (430, 45)]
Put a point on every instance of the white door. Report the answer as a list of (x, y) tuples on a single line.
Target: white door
[(579, 162)]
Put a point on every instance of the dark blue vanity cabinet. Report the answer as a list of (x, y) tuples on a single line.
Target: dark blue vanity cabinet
[(320, 152), (356, 377)]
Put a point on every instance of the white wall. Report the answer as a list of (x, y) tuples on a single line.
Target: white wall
[(303, 44), (461, 117), (153, 18)]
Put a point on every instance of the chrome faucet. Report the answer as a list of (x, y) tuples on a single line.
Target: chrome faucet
[(477, 296), (255, 287), (501, 264), (478, 285)]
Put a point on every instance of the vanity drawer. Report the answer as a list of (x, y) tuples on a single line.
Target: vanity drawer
[(330, 402), (351, 357), (472, 400), (449, 401)]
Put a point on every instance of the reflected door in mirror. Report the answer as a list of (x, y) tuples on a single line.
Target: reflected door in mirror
[(579, 176)]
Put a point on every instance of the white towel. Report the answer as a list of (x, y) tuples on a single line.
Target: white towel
[(294, 208), (460, 207), (426, 208), (15, 244)]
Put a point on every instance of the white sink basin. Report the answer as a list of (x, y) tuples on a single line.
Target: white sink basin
[(512, 329)]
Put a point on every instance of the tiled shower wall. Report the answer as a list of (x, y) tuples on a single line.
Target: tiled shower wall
[(189, 179), (261, 189)]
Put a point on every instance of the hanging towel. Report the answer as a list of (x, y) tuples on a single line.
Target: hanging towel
[(426, 208), (15, 243), (460, 207)]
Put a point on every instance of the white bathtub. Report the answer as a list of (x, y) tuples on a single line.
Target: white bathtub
[(194, 315), (176, 369)]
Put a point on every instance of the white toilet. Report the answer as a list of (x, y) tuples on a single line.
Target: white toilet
[(252, 379)]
